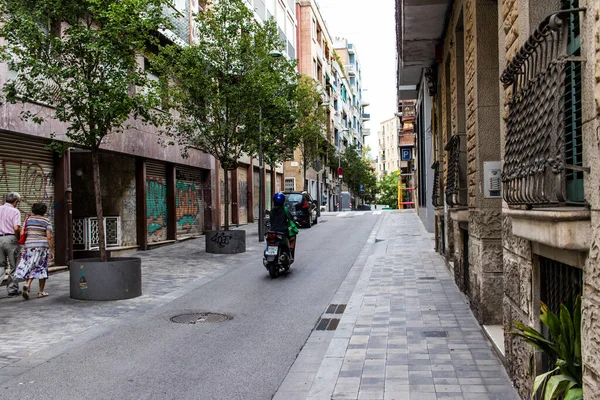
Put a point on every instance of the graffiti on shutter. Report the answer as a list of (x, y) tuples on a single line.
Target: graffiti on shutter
[(156, 201)]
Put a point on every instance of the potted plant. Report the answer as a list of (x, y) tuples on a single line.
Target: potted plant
[(562, 347), (79, 61)]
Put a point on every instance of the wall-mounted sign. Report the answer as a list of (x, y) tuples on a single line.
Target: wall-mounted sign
[(406, 154)]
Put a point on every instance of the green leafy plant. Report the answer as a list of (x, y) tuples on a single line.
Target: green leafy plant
[(564, 347), (388, 189)]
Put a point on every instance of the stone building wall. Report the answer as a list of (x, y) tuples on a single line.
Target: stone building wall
[(517, 254), (590, 45)]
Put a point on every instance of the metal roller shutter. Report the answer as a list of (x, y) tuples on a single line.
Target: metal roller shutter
[(189, 202), (243, 194), (27, 167), (255, 200), (156, 201)]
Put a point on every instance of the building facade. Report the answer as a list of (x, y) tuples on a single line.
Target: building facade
[(506, 171), (333, 64), (388, 157), (151, 195)]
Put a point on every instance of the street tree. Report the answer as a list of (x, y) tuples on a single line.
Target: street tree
[(219, 83), (311, 122), (388, 189), (357, 173), (79, 59)]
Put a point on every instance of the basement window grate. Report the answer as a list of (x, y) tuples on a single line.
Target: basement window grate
[(427, 278), (435, 334), (336, 309), (327, 324)]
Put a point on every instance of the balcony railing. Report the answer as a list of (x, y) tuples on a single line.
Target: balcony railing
[(536, 163)]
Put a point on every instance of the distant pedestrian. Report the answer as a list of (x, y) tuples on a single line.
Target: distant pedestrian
[(38, 248), (10, 229)]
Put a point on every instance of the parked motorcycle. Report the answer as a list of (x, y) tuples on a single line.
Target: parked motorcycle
[(277, 254)]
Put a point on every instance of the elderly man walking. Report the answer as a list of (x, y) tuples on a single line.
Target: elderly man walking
[(10, 229)]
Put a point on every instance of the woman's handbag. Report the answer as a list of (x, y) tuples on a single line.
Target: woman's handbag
[(24, 235), (292, 226)]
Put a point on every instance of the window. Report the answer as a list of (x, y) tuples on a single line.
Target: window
[(315, 69), (573, 117), (290, 184), (314, 29), (280, 17), (352, 58)]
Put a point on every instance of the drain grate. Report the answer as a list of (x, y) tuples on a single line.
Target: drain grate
[(336, 309), (435, 334), (200, 318), (427, 278), (327, 324)]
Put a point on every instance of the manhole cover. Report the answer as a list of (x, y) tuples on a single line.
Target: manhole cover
[(435, 334), (200, 318)]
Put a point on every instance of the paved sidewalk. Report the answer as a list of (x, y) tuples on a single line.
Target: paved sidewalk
[(407, 332), (33, 331)]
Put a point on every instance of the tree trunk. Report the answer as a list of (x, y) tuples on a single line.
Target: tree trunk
[(226, 198), (98, 196)]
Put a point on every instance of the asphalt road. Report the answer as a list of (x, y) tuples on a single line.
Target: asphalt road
[(244, 358)]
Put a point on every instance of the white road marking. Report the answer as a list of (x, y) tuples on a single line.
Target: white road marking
[(377, 212)]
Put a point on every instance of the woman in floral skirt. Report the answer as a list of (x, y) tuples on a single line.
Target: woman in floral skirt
[(36, 251)]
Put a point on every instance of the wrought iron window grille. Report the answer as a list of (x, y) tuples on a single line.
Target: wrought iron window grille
[(535, 168), (435, 196), (85, 232), (453, 189)]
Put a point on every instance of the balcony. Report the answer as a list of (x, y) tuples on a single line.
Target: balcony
[(408, 113), (543, 155), (366, 117), (366, 132), (351, 69)]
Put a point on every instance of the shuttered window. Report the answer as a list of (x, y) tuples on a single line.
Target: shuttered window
[(573, 118)]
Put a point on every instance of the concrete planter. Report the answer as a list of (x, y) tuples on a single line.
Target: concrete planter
[(226, 242), (115, 279)]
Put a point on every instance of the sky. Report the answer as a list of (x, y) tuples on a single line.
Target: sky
[(371, 27)]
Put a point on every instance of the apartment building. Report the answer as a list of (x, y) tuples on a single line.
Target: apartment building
[(353, 89), (388, 156), (507, 106)]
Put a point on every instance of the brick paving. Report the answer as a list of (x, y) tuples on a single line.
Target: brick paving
[(407, 332), (38, 329)]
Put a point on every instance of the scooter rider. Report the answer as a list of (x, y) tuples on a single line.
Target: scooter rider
[(280, 218)]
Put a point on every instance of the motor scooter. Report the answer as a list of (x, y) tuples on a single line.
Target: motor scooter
[(277, 256)]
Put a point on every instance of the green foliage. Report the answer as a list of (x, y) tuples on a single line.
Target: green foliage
[(358, 171), (80, 58), (219, 85), (311, 120), (564, 347), (388, 190)]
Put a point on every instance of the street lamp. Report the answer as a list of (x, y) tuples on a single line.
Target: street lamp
[(261, 168)]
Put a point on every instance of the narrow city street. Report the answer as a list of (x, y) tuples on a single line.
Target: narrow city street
[(58, 348), (130, 349)]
